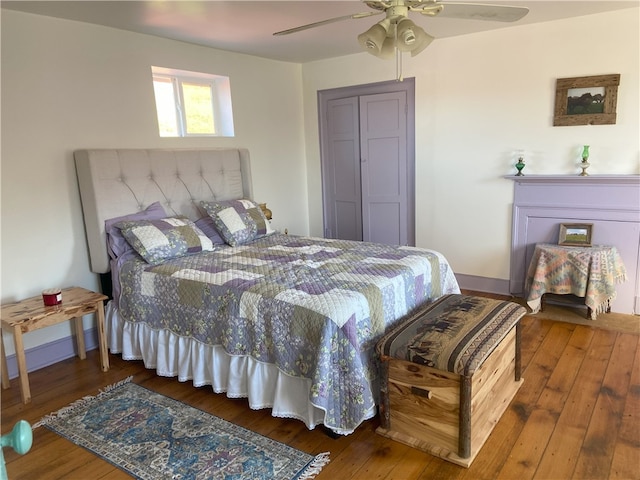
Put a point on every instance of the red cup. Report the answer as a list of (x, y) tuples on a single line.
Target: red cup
[(52, 296)]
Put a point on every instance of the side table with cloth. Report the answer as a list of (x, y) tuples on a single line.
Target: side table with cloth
[(589, 272)]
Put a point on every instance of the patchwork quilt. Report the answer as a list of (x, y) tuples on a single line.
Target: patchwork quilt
[(313, 307)]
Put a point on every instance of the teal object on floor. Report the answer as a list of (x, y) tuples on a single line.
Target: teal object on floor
[(20, 439)]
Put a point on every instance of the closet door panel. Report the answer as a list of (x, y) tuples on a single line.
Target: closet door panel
[(383, 145), (341, 171)]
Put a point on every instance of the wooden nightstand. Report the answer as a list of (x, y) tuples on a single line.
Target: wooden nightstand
[(31, 314)]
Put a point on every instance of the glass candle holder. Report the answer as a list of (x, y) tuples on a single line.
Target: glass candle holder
[(519, 166), (585, 161)]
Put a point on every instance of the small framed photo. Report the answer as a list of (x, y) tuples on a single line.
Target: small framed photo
[(575, 234)]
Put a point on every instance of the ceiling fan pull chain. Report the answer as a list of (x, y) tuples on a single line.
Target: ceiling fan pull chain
[(398, 57)]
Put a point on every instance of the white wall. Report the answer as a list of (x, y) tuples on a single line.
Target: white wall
[(68, 85), (479, 98)]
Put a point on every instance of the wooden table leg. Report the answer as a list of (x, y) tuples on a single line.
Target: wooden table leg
[(102, 337), (82, 351), (22, 365), (5, 372)]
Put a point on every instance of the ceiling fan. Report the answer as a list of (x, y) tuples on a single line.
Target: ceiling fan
[(397, 33)]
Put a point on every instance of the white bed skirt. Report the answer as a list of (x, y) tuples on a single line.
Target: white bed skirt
[(263, 384)]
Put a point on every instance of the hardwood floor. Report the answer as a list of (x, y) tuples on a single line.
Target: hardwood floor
[(577, 416)]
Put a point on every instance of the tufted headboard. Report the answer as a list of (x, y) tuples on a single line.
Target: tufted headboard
[(114, 183)]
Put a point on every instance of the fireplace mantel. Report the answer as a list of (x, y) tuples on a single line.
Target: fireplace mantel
[(611, 202), (577, 179)]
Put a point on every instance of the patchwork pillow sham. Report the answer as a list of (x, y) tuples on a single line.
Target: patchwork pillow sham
[(163, 239), (117, 245), (238, 221), (209, 229)]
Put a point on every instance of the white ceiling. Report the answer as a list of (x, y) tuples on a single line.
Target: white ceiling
[(247, 26)]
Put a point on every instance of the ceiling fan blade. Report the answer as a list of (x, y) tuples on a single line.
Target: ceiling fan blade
[(479, 11), (325, 22)]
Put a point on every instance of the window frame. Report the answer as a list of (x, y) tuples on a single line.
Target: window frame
[(220, 100)]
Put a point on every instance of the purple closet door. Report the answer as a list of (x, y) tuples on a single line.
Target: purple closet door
[(383, 145)]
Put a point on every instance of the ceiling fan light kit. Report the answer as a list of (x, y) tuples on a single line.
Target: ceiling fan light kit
[(397, 33), (406, 33), (373, 39), (412, 38)]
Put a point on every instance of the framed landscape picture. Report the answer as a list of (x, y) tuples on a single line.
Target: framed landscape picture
[(575, 234), (586, 100)]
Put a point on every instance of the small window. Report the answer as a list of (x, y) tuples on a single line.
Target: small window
[(192, 104)]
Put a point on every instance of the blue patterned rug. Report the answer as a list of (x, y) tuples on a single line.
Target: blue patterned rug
[(153, 437)]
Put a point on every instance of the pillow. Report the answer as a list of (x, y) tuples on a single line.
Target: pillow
[(209, 229), (238, 221), (116, 243), (160, 240)]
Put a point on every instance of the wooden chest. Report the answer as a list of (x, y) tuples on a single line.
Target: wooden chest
[(450, 409)]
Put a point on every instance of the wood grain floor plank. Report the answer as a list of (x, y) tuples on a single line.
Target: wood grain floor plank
[(526, 454), (565, 444), (626, 458), (534, 333), (532, 443), (383, 460), (542, 365), (347, 462), (410, 465), (495, 451), (561, 454), (562, 379), (581, 401), (598, 447)]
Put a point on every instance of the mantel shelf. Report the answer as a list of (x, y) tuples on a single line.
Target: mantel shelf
[(576, 179)]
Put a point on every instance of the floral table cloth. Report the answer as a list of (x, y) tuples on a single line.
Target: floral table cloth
[(589, 272)]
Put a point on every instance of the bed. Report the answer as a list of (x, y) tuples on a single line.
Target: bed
[(288, 322)]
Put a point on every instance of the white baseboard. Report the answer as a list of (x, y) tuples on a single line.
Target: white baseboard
[(483, 284)]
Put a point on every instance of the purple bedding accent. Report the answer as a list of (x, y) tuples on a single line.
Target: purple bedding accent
[(313, 307), (209, 229), (117, 245)]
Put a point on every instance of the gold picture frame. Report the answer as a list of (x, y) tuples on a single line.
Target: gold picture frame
[(586, 100), (575, 234)]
